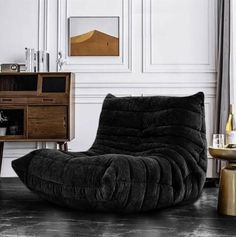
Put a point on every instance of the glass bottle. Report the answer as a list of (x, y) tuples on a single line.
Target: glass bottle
[(230, 128)]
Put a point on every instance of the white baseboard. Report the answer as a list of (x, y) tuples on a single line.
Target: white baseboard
[(8, 156), (7, 170), (11, 153)]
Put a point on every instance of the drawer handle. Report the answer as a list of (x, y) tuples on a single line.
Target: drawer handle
[(48, 100), (64, 122), (6, 100)]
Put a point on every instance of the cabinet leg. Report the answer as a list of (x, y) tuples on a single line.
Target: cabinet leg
[(1, 154), (63, 146), (60, 144)]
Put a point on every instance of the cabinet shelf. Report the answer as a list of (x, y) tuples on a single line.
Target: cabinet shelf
[(26, 83), (15, 120)]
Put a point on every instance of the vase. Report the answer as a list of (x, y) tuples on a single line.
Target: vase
[(3, 131)]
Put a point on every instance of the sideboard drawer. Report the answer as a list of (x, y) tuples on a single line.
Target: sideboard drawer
[(48, 100), (9, 100)]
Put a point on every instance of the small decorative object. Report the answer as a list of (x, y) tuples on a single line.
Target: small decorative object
[(42, 61), (30, 57), (22, 67), (218, 141), (94, 36), (60, 61), (3, 127), (14, 129), (3, 131), (10, 67)]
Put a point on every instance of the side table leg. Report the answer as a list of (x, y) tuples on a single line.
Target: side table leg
[(1, 155)]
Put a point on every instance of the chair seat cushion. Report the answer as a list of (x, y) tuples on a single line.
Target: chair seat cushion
[(110, 182)]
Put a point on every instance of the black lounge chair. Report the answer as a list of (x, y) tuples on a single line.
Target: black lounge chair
[(149, 153)]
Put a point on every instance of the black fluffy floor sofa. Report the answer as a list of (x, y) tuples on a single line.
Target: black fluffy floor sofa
[(149, 153)]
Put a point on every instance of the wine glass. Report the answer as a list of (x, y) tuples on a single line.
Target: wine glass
[(218, 141)]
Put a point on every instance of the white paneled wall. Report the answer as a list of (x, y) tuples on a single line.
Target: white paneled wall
[(168, 47), (18, 23), (177, 36)]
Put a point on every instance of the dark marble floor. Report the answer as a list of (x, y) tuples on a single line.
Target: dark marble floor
[(24, 214)]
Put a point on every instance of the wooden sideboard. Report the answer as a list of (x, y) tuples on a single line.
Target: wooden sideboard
[(38, 107)]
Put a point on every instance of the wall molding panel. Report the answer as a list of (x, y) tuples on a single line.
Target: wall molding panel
[(96, 96), (122, 63), (98, 99), (43, 10), (151, 58), (153, 85)]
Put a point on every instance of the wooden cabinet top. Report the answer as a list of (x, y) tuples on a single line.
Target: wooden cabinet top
[(36, 83), (35, 73)]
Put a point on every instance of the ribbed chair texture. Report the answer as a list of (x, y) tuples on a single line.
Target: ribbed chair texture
[(149, 153)]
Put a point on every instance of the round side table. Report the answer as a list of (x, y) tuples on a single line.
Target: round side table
[(227, 187)]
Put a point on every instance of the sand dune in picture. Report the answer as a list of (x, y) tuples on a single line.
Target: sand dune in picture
[(94, 43)]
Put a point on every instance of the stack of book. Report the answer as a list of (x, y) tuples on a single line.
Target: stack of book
[(36, 61)]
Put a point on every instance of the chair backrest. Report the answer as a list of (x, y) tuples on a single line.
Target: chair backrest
[(145, 125)]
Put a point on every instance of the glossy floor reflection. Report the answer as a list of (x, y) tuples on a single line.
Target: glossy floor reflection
[(24, 214)]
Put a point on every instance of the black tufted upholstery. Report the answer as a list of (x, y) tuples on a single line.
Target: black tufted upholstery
[(149, 153)]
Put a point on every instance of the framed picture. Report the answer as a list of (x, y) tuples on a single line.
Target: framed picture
[(94, 36)]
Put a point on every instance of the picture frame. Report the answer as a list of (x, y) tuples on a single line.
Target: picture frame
[(93, 36)]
